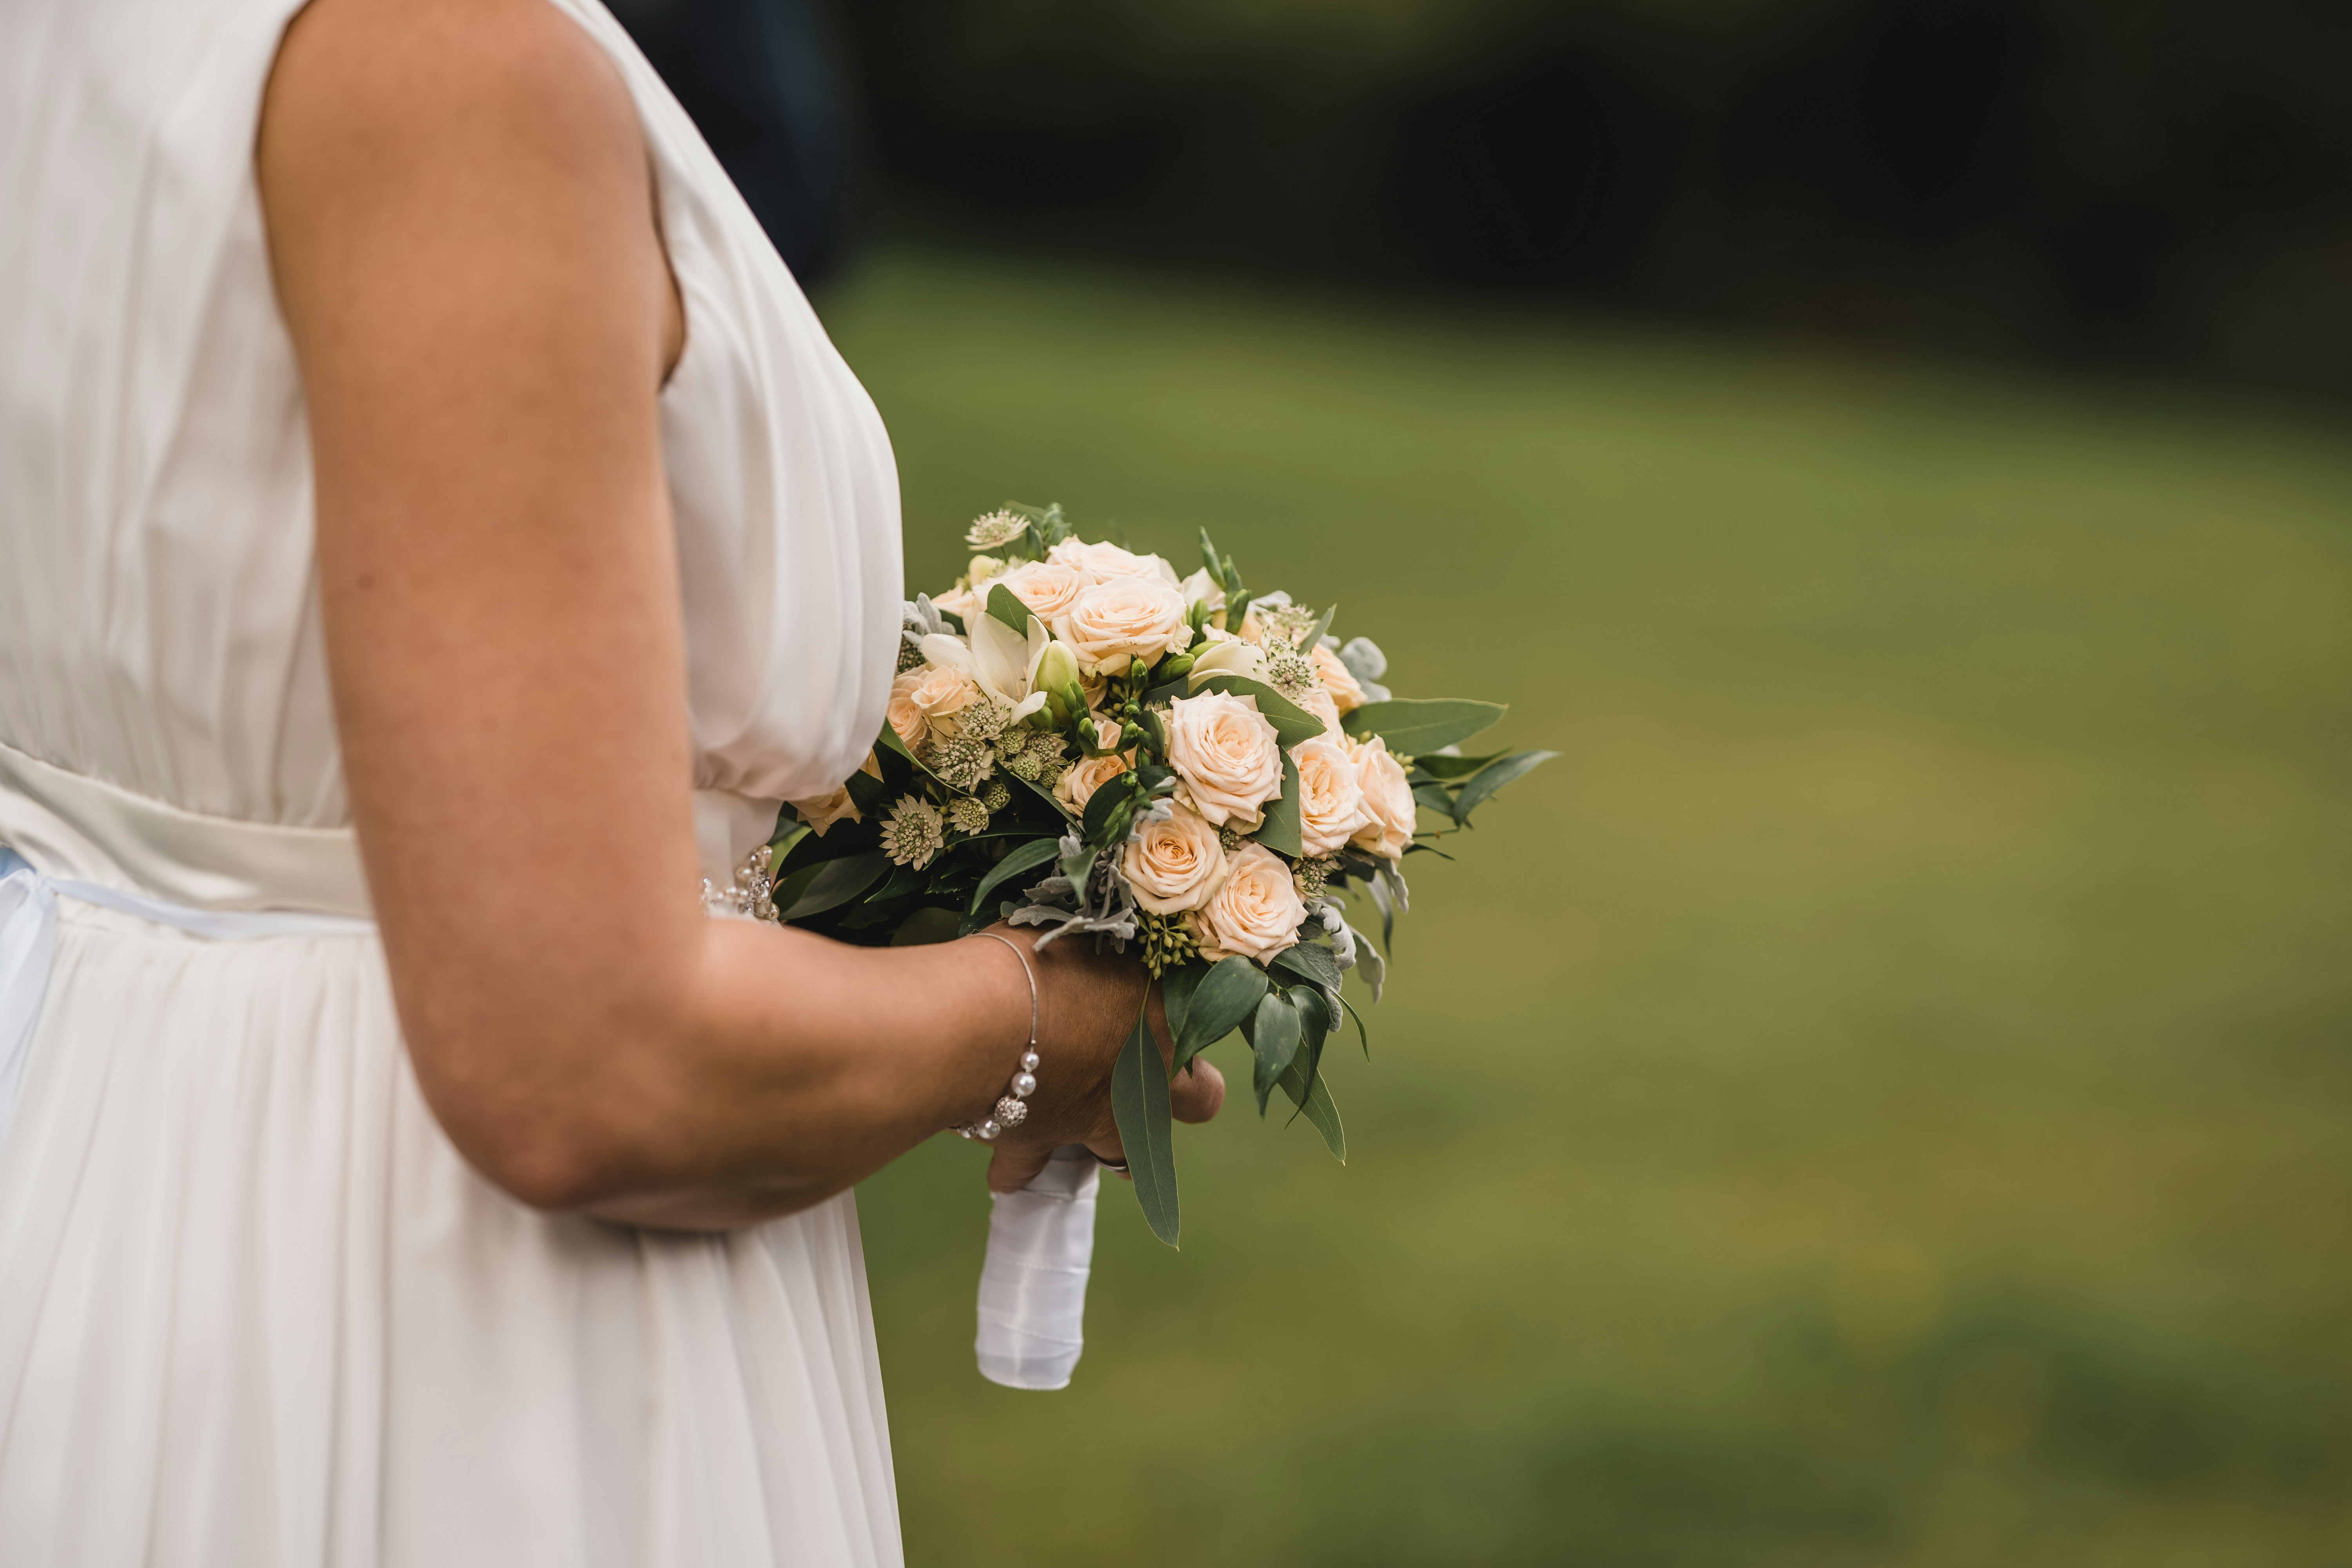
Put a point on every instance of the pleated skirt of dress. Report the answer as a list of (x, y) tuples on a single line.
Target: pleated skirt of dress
[(255, 1313)]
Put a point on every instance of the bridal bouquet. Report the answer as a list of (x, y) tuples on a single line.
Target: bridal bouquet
[(1080, 740)]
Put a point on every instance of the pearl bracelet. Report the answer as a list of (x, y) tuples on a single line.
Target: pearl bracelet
[(1013, 1108)]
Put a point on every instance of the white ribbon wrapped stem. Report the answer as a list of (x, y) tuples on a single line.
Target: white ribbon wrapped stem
[(1032, 1288)]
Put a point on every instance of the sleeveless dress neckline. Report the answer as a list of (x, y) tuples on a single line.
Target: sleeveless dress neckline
[(255, 1312)]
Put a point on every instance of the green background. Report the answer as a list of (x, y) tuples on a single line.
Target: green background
[(1884, 1096)]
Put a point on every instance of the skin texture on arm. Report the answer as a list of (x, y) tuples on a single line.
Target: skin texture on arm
[(461, 222)]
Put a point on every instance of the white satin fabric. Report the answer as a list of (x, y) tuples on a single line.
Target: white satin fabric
[(1033, 1287), (254, 1309)]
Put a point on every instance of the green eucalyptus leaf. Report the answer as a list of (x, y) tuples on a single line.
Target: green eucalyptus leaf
[(837, 882), (1227, 994), (1434, 797), (1315, 1102), (1412, 726), (1280, 829), (1438, 766), (1312, 638), (1311, 963), (927, 925), (1176, 988), (1139, 1102), (1276, 1041), (1108, 809), (1004, 606), (1027, 858), (1292, 723), (1518, 765)]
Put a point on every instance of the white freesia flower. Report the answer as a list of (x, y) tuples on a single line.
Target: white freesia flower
[(1228, 655), (998, 659), (1201, 588)]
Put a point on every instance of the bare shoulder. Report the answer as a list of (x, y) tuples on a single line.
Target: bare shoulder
[(441, 165), (377, 102), (360, 76)]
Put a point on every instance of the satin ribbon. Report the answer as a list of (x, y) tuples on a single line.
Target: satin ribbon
[(1032, 1287), (28, 943)]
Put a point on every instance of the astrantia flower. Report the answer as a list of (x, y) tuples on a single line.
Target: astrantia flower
[(961, 762), (968, 814), (996, 527), (912, 834)]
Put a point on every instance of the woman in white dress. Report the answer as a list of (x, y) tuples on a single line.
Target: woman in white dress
[(435, 535)]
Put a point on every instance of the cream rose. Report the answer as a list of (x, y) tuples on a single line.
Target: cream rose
[(1388, 800), (1331, 808), (1049, 588), (1176, 865), (938, 691), (1105, 562), (905, 718), (1124, 618), (1257, 913), (957, 602), (1077, 786), (1337, 679), (1226, 756)]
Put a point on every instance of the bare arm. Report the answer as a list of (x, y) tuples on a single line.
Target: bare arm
[(461, 222)]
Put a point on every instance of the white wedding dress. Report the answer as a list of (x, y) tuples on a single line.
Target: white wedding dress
[(255, 1312)]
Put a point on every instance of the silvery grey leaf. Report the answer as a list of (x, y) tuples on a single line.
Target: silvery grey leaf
[(1366, 662)]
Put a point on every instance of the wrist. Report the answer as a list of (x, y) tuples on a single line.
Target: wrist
[(1009, 1060)]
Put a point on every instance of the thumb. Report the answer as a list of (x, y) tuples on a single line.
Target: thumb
[(1010, 1169)]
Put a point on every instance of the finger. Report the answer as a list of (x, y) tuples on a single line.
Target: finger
[(1111, 1153), (1198, 1093), (1012, 1168)]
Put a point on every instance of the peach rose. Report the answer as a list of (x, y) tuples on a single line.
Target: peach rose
[(957, 602), (826, 810), (1124, 618), (1337, 679), (1105, 562), (1176, 865), (1388, 800), (1318, 702), (1226, 756), (905, 718), (1077, 786), (1049, 588), (1331, 808), (1257, 913)]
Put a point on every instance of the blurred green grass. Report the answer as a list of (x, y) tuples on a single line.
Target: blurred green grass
[(1884, 1097)]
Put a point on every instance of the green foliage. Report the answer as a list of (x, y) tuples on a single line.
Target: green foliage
[(1280, 829), (1005, 607), (1139, 1102), (834, 883), (1026, 858), (1412, 725), (1225, 994), (1487, 781), (1274, 1034)]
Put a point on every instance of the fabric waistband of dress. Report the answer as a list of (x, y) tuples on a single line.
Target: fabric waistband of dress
[(72, 828)]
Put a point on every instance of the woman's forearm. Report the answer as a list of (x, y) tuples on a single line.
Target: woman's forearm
[(798, 1066)]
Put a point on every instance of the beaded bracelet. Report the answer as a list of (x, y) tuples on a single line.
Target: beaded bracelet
[(1013, 1108)]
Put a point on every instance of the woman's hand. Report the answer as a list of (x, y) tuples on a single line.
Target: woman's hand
[(1086, 1005)]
